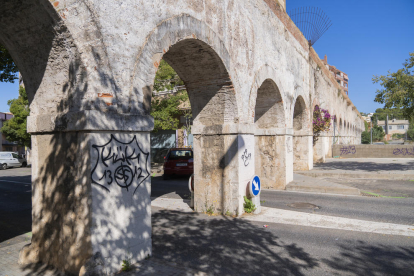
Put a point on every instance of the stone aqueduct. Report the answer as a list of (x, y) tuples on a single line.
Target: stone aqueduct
[(89, 66)]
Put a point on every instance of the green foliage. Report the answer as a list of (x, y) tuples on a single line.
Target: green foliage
[(126, 265), (165, 110), (8, 68), (398, 89), (410, 134), (366, 137), (210, 210), (366, 125), (248, 205), (166, 78), (397, 136), (15, 129), (377, 135), (393, 113)]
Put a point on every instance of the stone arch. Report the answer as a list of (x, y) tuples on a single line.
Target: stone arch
[(270, 141), (269, 109), (300, 114), (269, 75), (42, 52), (185, 35), (340, 128), (302, 137)]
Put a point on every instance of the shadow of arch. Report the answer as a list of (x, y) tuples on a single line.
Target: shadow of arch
[(300, 114), (269, 110), (302, 140), (267, 74)]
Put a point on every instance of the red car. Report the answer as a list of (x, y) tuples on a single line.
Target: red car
[(178, 161)]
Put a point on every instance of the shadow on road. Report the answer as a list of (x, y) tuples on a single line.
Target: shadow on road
[(366, 259), (364, 166), (174, 187), (224, 246), (15, 204)]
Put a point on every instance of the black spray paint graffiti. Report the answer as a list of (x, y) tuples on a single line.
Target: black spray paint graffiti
[(348, 150), (403, 151), (246, 157), (124, 164)]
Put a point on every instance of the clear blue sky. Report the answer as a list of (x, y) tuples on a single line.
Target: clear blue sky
[(368, 37)]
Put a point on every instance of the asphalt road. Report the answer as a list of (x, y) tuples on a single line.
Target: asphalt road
[(221, 245), (15, 202), (381, 209)]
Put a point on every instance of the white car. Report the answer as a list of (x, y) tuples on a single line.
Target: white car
[(10, 159)]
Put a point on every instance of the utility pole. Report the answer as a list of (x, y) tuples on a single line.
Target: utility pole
[(371, 132)]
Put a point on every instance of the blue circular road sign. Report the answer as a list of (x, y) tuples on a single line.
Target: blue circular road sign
[(255, 186)]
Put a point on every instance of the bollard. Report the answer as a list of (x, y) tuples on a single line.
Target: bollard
[(191, 188)]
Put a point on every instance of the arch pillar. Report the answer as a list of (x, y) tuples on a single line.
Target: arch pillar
[(274, 157), (224, 164)]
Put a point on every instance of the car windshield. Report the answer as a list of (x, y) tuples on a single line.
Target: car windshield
[(180, 155)]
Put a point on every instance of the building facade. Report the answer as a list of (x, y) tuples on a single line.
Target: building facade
[(5, 144), (394, 127), (340, 77)]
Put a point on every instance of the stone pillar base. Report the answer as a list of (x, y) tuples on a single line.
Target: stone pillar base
[(91, 200)]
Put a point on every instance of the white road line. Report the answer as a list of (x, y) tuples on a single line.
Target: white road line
[(274, 215), (1, 180)]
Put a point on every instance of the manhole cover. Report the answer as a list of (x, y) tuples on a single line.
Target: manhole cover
[(303, 205)]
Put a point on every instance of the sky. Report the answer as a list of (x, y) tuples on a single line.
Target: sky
[(367, 37)]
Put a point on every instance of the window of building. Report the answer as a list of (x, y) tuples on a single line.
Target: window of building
[(400, 127), (338, 81), (389, 127)]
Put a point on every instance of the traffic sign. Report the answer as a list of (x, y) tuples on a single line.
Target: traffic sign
[(255, 186)]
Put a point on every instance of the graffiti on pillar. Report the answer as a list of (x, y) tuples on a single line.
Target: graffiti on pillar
[(348, 150), (289, 145), (120, 164), (246, 157), (403, 151)]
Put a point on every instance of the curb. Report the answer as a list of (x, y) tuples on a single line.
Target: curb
[(359, 175)]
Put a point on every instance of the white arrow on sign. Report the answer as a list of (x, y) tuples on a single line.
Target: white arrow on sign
[(256, 186)]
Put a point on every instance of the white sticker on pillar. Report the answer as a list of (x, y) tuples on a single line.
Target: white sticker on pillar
[(246, 160)]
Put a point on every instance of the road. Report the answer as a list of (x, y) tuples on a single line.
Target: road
[(15, 202), (221, 245)]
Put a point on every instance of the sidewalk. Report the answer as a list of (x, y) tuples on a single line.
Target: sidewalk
[(305, 183), (366, 168)]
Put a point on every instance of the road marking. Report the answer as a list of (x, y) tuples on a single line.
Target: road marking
[(274, 215), (1, 180)]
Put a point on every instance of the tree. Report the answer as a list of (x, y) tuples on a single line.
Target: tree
[(398, 89), (365, 137), (166, 78), (15, 129), (8, 69), (165, 110)]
